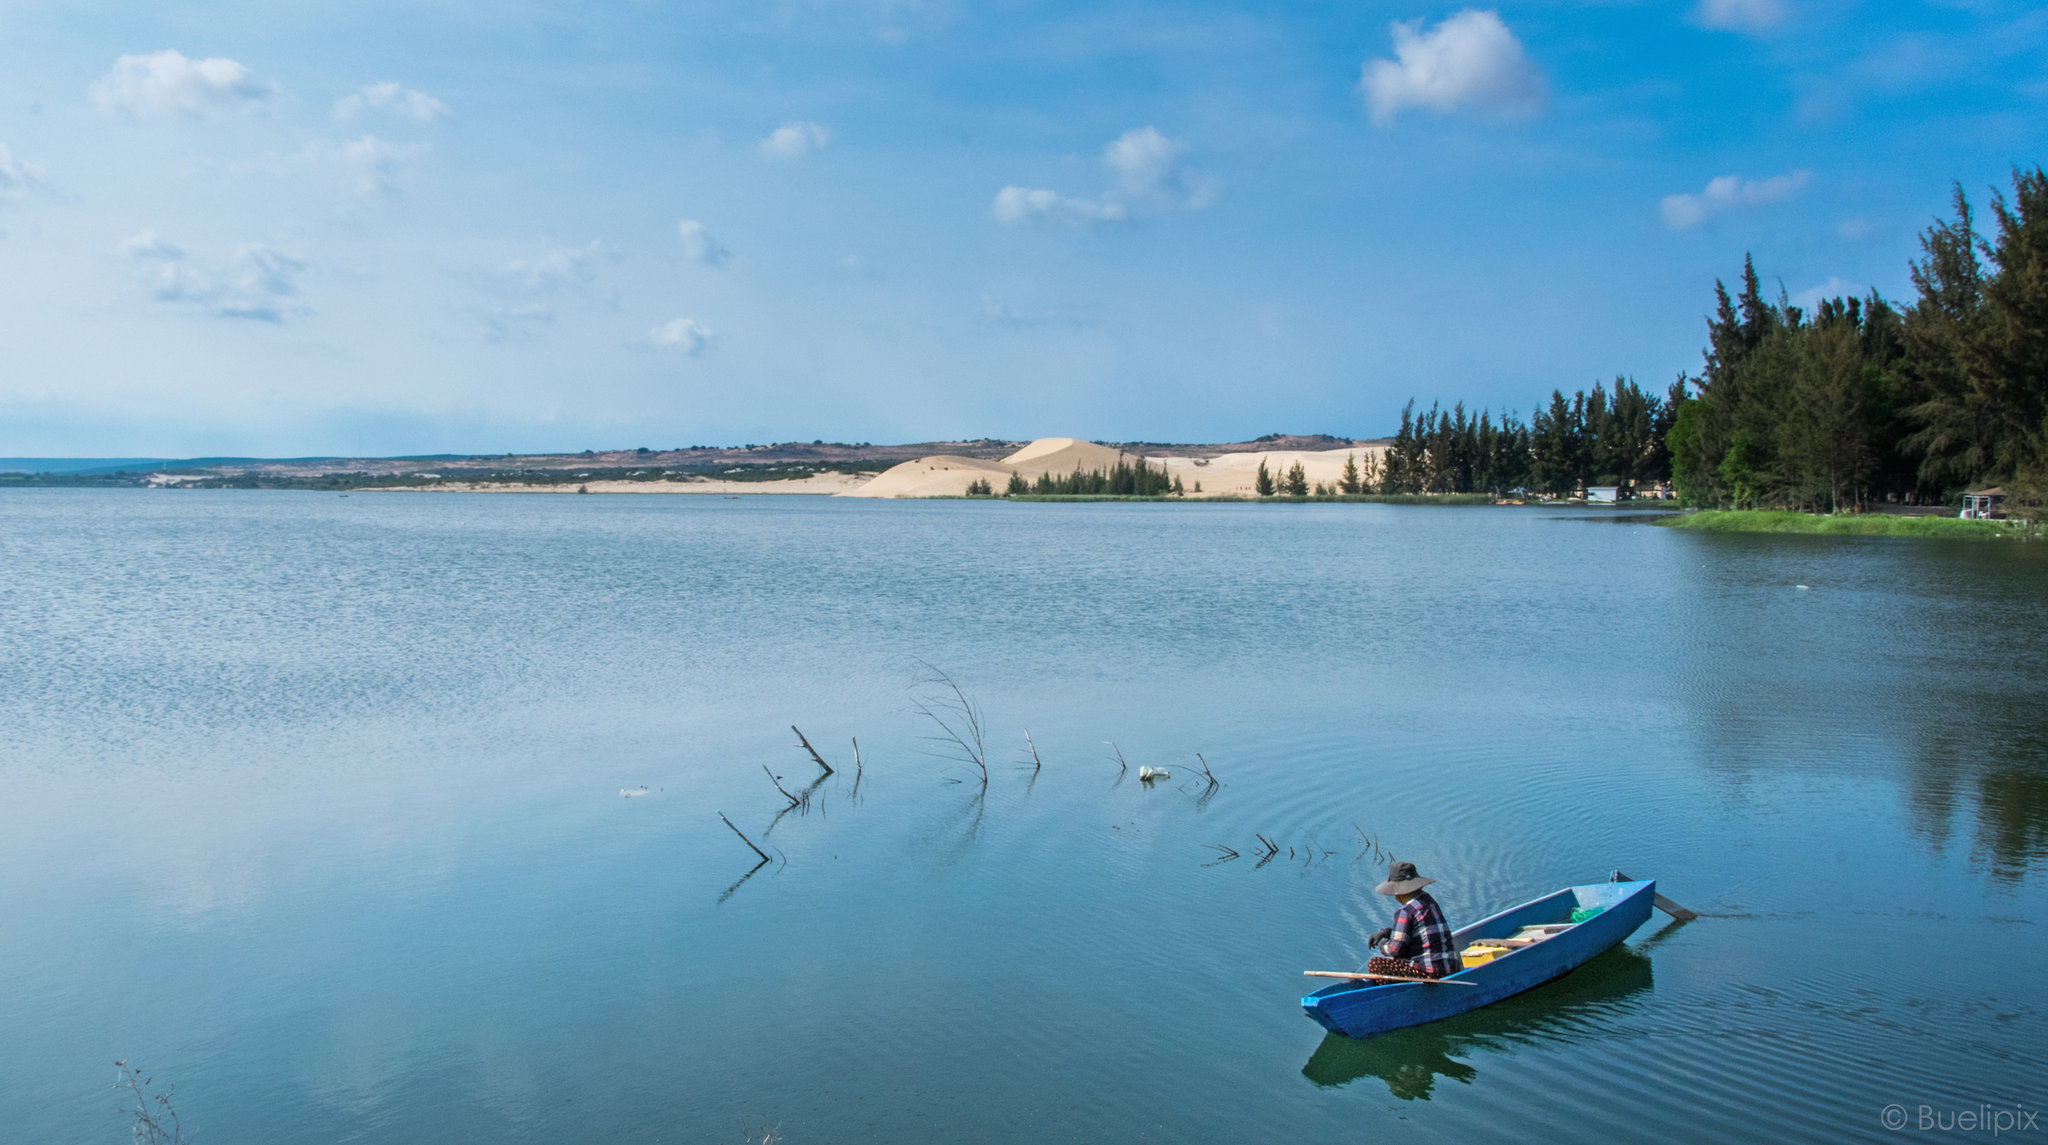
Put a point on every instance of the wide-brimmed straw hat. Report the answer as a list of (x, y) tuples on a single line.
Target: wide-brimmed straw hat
[(1402, 879)]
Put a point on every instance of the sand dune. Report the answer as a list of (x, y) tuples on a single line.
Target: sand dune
[(1062, 455), (1231, 473), (1237, 473), (941, 476)]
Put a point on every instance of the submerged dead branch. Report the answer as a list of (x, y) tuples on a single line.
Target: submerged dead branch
[(155, 1122), (855, 793), (1032, 748), (1372, 846), (958, 718), (814, 751), (1117, 754), (743, 837), (793, 800), (1210, 784)]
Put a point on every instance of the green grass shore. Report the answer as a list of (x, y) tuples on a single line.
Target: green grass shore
[(1855, 525), (1211, 498)]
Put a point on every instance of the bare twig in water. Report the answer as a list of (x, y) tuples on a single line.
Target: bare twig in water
[(1223, 854), (156, 1123), (802, 806), (1210, 784), (1036, 763), (958, 717), (1315, 849), (1118, 754), (743, 838), (1372, 844), (814, 751), (856, 768), (793, 800)]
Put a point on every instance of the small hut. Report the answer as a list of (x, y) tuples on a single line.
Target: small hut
[(1984, 504)]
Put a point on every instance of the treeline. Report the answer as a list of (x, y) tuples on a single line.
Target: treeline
[(1124, 479), (1856, 401), (1860, 400), (1596, 438)]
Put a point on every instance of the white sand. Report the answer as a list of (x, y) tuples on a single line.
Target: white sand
[(1230, 474)]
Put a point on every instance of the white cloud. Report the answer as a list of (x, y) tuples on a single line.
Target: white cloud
[(1739, 15), (257, 283), (699, 245), (1015, 206), (526, 292), (391, 97), (167, 82), (369, 166), (794, 140), (685, 334), (1470, 60), (18, 177), (1683, 212), (1148, 165), (1854, 230), (556, 268)]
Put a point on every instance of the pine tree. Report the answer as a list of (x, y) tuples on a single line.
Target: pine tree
[(1017, 485), (1350, 482), (1263, 482), (1297, 481)]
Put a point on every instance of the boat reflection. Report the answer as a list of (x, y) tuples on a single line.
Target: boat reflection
[(1411, 1060)]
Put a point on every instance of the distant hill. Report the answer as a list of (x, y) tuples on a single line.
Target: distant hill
[(82, 465)]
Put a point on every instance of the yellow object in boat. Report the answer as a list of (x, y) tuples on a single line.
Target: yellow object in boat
[(1479, 954)]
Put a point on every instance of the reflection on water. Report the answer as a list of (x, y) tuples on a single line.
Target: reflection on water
[(1936, 651), (1576, 1007), (1997, 775), (315, 806)]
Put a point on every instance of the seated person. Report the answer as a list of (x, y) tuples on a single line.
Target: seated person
[(1419, 944)]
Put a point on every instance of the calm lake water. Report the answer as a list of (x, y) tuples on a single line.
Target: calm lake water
[(312, 807)]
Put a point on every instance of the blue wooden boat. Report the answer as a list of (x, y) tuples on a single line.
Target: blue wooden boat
[(1363, 1008)]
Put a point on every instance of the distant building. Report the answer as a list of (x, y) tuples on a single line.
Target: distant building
[(1984, 504), (1602, 494)]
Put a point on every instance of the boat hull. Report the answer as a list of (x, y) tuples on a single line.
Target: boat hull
[(1360, 1010)]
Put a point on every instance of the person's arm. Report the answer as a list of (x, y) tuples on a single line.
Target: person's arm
[(1404, 929)]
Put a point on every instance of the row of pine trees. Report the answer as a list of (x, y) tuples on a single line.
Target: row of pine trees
[(1124, 479), (1862, 400), (1857, 401)]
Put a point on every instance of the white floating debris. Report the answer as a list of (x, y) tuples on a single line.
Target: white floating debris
[(1801, 588), (1148, 774), (633, 792)]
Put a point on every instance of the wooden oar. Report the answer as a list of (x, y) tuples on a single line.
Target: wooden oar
[(1663, 904), (1388, 978)]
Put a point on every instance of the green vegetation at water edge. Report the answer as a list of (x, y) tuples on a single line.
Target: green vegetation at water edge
[(1850, 525), (1278, 498)]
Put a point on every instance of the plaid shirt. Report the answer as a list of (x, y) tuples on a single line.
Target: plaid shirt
[(1423, 937)]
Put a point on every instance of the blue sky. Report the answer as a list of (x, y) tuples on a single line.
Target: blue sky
[(296, 228)]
